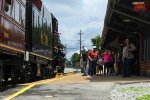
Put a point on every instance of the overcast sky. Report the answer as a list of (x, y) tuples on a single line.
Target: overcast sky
[(73, 15)]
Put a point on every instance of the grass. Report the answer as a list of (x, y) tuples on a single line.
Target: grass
[(133, 89), (137, 89), (145, 97)]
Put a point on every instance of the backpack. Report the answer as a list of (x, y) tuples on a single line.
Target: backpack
[(100, 61)]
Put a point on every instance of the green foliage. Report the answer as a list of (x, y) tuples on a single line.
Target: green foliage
[(68, 63), (145, 97), (96, 41), (132, 89), (75, 58)]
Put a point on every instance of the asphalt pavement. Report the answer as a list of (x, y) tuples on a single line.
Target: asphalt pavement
[(68, 87), (86, 91)]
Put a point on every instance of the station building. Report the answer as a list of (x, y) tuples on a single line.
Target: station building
[(129, 18)]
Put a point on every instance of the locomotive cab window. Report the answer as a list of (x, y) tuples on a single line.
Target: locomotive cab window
[(22, 16), (12, 8), (8, 6), (17, 11)]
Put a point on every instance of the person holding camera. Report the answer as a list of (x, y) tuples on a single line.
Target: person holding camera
[(127, 57)]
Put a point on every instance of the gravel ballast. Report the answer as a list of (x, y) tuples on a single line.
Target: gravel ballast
[(130, 91)]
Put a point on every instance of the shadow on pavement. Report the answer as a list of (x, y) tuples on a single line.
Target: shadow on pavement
[(4, 88), (118, 79)]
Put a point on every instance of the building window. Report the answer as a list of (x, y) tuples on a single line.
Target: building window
[(147, 46)]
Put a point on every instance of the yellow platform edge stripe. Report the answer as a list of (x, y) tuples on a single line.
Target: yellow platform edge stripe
[(34, 84), (19, 92)]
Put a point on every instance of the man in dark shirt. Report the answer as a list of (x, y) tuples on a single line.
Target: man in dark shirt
[(84, 58)]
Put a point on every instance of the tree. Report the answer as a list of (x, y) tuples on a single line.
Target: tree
[(75, 58), (68, 63), (96, 40)]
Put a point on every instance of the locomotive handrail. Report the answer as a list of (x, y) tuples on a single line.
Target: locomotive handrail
[(40, 55), (12, 48)]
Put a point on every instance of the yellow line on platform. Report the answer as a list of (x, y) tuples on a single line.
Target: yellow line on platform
[(34, 84), (19, 92), (55, 79)]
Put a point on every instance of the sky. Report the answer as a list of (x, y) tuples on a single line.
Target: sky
[(75, 15)]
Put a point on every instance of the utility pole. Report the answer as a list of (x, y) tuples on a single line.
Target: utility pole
[(80, 48), (80, 40)]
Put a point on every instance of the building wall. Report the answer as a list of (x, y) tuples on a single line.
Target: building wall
[(144, 65)]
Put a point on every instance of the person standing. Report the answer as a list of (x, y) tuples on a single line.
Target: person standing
[(93, 56), (127, 57), (100, 65), (106, 56), (111, 62), (84, 58)]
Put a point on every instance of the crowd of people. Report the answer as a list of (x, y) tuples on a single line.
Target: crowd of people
[(107, 62)]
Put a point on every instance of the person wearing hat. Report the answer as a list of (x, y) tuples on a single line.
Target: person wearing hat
[(93, 56), (84, 56)]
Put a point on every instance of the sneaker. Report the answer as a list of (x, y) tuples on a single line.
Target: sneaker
[(93, 75)]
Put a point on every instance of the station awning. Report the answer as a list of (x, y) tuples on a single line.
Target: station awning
[(122, 20)]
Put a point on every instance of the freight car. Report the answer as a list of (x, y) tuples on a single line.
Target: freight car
[(29, 41)]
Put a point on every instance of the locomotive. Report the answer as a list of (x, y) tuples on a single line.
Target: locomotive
[(30, 46)]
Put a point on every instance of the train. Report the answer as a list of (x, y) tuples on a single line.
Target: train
[(30, 45)]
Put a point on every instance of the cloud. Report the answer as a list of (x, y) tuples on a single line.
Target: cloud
[(73, 15)]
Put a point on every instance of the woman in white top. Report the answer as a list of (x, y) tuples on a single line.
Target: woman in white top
[(127, 58)]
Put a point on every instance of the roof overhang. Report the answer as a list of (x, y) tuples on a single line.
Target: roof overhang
[(121, 20)]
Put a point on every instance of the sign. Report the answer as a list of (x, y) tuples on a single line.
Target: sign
[(140, 6)]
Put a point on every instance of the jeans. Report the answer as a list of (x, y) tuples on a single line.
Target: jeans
[(127, 67), (92, 68), (106, 67), (84, 67)]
